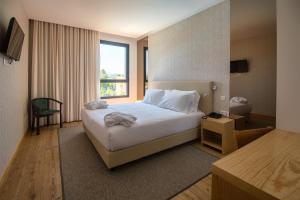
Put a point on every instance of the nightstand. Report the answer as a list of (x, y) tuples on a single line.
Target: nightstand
[(239, 121), (218, 133)]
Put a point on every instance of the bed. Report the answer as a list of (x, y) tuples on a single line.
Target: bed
[(240, 109), (155, 130)]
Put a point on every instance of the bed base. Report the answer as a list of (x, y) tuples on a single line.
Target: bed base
[(116, 158)]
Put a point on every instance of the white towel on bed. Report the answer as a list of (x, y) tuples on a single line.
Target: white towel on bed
[(118, 118), (98, 104), (239, 100)]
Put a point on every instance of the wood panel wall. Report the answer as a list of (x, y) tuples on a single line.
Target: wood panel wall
[(140, 67)]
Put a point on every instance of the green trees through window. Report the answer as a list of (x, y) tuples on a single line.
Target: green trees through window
[(112, 89)]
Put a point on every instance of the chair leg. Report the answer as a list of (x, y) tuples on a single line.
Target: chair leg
[(38, 126), (47, 120), (60, 119), (33, 123)]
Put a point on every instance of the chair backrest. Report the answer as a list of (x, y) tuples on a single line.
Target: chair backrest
[(40, 104)]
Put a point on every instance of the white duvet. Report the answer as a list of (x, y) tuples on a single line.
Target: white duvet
[(152, 123)]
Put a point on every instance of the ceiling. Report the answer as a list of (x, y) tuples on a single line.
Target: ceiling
[(132, 18), (252, 17)]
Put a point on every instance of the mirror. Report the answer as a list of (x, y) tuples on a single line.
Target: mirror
[(253, 63)]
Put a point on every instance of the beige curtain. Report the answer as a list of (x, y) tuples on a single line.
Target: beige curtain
[(63, 65)]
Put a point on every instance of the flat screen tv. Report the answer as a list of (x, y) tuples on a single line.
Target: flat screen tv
[(13, 41), (239, 66)]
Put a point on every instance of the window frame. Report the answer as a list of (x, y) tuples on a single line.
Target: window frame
[(145, 73), (126, 80)]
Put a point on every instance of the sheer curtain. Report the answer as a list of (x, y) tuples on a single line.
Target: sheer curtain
[(64, 65)]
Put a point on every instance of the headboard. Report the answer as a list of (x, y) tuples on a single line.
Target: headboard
[(203, 87)]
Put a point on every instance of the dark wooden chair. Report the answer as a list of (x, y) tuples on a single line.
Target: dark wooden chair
[(41, 108)]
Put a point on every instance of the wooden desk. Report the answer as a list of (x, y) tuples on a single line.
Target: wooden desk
[(268, 168)]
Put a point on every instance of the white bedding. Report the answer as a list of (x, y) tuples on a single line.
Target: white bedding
[(152, 123)]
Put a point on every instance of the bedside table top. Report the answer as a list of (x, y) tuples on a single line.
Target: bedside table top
[(222, 120)]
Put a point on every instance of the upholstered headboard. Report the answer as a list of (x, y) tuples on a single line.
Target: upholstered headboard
[(203, 87)]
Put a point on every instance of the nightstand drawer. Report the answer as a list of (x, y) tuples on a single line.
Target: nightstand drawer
[(213, 126)]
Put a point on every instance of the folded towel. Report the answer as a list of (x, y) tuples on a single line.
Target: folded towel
[(241, 100), (98, 104), (118, 118)]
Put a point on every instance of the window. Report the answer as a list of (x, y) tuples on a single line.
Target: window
[(114, 69), (145, 69)]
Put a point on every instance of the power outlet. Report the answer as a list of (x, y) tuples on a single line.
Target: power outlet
[(223, 98)]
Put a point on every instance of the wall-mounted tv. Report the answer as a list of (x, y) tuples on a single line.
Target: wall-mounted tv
[(239, 66), (13, 41)]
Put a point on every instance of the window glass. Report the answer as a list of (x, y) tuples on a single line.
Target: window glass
[(145, 69), (114, 69)]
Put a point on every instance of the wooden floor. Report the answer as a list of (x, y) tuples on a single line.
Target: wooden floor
[(35, 171), (199, 191)]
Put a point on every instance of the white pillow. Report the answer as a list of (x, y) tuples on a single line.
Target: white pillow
[(180, 101), (195, 105), (153, 96)]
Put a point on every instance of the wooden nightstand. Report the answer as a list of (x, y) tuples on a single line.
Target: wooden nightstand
[(239, 121), (218, 133)]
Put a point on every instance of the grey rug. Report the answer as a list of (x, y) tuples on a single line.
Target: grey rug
[(160, 176)]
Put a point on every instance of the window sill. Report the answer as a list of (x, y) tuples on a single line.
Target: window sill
[(115, 97)]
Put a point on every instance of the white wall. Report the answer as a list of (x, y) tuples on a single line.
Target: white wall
[(13, 87), (288, 65), (259, 84), (197, 48), (132, 66)]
